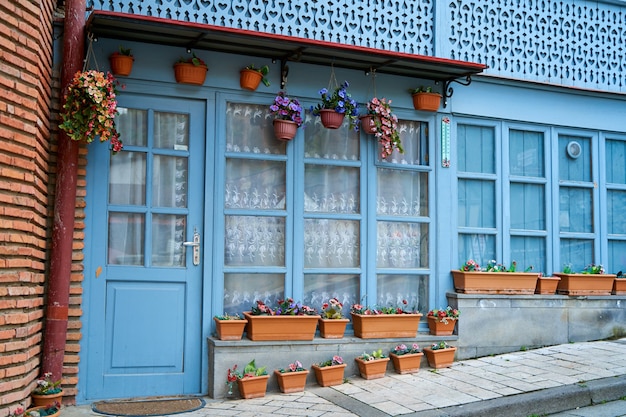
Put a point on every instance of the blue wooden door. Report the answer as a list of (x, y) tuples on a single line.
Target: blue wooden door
[(144, 270)]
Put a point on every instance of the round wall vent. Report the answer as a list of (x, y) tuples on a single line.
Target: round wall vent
[(574, 149)]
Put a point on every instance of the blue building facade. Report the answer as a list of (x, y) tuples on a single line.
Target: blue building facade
[(524, 161)]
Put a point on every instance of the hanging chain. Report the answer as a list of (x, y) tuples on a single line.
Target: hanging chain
[(90, 55)]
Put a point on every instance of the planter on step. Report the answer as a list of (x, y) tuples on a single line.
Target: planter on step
[(291, 381), (229, 329), (253, 386), (510, 283), (585, 284), (619, 286), (372, 369), (440, 358), (332, 328), (328, 376), (408, 363), (281, 327), (547, 285), (441, 326), (379, 326)]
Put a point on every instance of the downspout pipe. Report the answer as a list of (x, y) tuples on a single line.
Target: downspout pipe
[(56, 311)]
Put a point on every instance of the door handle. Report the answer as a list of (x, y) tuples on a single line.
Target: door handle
[(195, 244)]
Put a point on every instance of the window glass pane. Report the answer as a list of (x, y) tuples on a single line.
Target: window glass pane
[(481, 248), (322, 143), (249, 129), (575, 210), (241, 291), (319, 288), (414, 137), (616, 161), (529, 251), (476, 149), (255, 184), (171, 131), (250, 240), (126, 239), (576, 252), (528, 206), (168, 235), (132, 127), (402, 245), (331, 189), (169, 181), (575, 169), (617, 256), (477, 203), (526, 153), (331, 243), (393, 289), (402, 193), (127, 178), (616, 212)]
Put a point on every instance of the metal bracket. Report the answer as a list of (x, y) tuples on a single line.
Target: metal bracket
[(284, 72), (449, 91)]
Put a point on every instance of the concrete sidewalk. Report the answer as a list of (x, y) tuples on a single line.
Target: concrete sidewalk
[(536, 382)]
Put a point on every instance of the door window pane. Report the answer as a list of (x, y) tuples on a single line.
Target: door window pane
[(331, 243), (255, 184), (125, 240), (527, 206), (402, 245), (575, 169), (171, 131), (249, 130), (321, 143), (402, 192), (132, 124), (529, 251), (319, 288), (526, 153), (481, 248), (476, 149), (331, 189), (616, 212), (127, 178), (578, 253), (252, 240), (169, 181), (477, 203), (168, 235), (414, 138), (241, 291), (617, 256), (575, 210), (394, 289), (616, 157)]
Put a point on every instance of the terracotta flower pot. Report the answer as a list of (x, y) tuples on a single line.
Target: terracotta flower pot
[(373, 369), (38, 408), (285, 129), (121, 64), (440, 358), (331, 119), (619, 286), (441, 327), (253, 387), (495, 282), (188, 73), (585, 284), (40, 400), (426, 101), (367, 124), (229, 329), (250, 79), (328, 376), (408, 363), (281, 327), (332, 328), (291, 381), (385, 325), (547, 285)]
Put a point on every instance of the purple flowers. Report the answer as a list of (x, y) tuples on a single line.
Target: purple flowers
[(285, 108)]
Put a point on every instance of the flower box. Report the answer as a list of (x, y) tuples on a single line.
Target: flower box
[(426, 101), (38, 409), (253, 386), (281, 327), (42, 400), (408, 363), (440, 358), (372, 369), (121, 64), (329, 375), (585, 284), (378, 326), (332, 328), (473, 282), (547, 285), (441, 326), (619, 286), (229, 329), (291, 381), (188, 73), (249, 79)]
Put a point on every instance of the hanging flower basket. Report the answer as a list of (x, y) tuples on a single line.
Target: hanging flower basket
[(89, 108), (384, 125), (336, 106), (190, 71), (331, 119), (285, 129), (289, 110), (368, 124)]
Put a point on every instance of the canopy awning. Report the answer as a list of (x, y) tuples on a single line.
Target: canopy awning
[(282, 48)]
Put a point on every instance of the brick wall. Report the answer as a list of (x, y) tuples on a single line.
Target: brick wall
[(26, 196)]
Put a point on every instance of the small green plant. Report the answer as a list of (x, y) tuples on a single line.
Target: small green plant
[(332, 309), (421, 89), (336, 360), (264, 70), (227, 316), (440, 345), (250, 370), (593, 269), (567, 269), (524, 348), (377, 354), (193, 60), (293, 367)]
